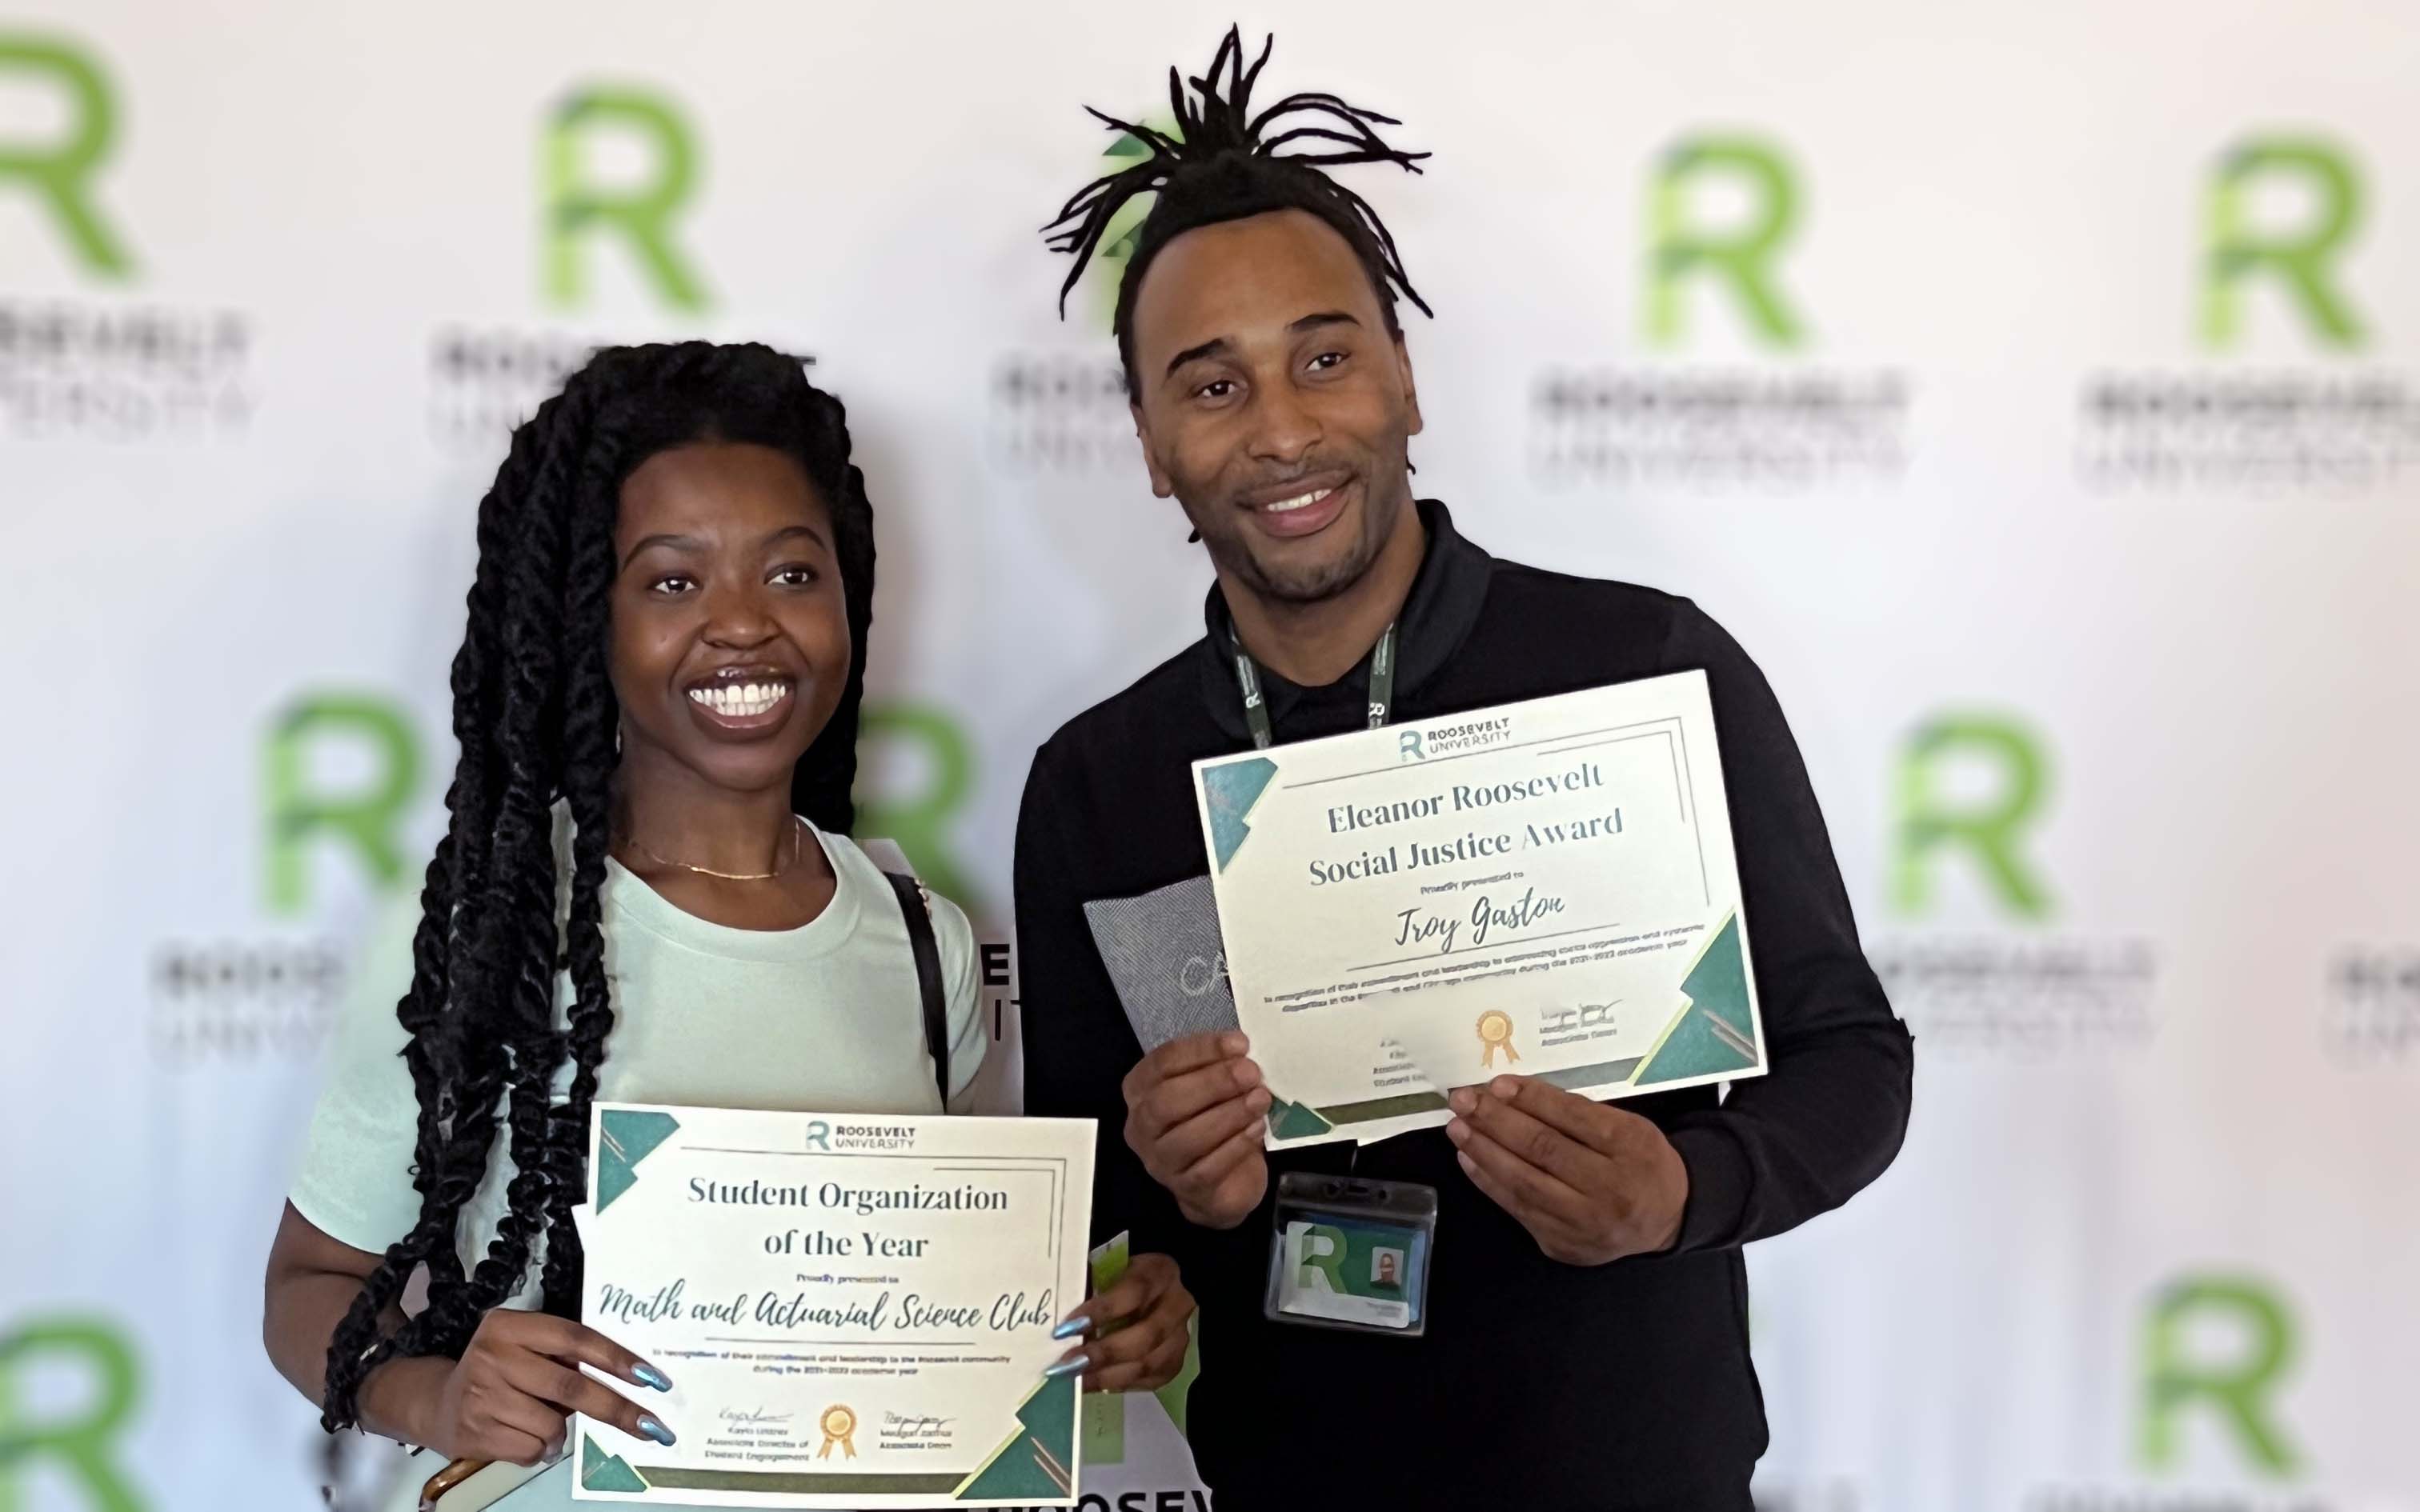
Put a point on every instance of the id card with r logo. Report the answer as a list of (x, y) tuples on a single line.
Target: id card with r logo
[(1350, 1253)]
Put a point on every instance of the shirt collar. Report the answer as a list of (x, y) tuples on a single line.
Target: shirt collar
[(1437, 616)]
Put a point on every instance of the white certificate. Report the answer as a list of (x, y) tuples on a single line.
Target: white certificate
[(854, 1309), (1545, 888)]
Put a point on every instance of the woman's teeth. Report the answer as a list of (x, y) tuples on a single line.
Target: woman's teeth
[(740, 701), (1287, 506)]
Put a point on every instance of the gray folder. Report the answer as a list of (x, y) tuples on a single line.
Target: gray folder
[(1167, 958)]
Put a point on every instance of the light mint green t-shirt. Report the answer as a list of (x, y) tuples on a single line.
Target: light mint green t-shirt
[(825, 1017)]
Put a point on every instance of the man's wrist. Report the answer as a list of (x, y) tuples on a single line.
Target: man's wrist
[(1208, 1220), (1676, 1206), (1714, 1211)]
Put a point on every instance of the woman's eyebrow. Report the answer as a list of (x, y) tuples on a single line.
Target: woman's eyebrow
[(678, 543), (808, 531)]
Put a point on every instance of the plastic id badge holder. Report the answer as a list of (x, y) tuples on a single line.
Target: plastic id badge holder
[(1351, 1252)]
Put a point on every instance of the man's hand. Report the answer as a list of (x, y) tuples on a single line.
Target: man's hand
[(1591, 1183), (1194, 1112)]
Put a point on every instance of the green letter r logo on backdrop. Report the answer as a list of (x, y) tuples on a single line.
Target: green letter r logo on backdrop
[(2230, 1384), (58, 170), (1681, 246), (1124, 232), (78, 1447), (2301, 261), (640, 215), (921, 821), (367, 815), (1985, 828)]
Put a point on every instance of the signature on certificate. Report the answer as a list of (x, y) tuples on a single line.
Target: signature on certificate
[(758, 1417)]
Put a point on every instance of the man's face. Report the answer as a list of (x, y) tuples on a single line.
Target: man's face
[(1275, 405)]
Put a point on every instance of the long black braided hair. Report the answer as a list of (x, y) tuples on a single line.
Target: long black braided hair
[(1221, 163), (536, 719)]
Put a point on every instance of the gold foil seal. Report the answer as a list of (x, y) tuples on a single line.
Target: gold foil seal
[(838, 1424), (1496, 1033)]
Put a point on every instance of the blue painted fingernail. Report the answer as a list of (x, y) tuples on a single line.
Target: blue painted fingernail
[(1071, 1328), (1066, 1367), (653, 1426), (648, 1374)]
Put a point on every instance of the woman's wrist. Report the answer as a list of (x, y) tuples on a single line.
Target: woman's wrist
[(394, 1398)]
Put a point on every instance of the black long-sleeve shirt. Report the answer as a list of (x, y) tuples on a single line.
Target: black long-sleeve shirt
[(1546, 1384)]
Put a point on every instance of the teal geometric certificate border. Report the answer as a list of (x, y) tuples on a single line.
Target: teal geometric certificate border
[(1039, 1458), (1714, 1032), (625, 1137), (1300, 1120), (603, 1472), (1229, 791)]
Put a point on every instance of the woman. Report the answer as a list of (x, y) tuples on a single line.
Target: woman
[(646, 893)]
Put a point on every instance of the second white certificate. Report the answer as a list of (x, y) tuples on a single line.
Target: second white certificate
[(1546, 888), (854, 1309)]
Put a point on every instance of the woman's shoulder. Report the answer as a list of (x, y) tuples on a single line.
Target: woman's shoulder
[(953, 936), (875, 868)]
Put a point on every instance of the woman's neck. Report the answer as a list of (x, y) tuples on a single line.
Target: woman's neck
[(668, 813)]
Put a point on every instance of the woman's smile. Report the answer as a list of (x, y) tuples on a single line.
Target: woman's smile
[(742, 699)]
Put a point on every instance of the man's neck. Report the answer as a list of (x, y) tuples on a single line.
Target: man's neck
[(1313, 644)]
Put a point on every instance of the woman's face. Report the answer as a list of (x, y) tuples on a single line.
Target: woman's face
[(730, 637)]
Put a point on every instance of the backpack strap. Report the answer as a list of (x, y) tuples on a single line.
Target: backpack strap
[(919, 915)]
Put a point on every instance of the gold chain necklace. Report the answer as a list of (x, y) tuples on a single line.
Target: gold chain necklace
[(798, 830)]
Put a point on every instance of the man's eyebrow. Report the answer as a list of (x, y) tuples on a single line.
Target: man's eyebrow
[(1216, 347), (1219, 347)]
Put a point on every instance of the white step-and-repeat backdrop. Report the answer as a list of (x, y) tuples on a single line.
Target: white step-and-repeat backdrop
[(2032, 389)]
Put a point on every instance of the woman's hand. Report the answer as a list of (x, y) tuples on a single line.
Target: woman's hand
[(514, 1388), (1147, 1351)]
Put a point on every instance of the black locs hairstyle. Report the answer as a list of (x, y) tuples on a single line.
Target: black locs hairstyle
[(534, 713), (1220, 163)]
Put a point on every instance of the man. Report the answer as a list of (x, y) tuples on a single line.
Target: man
[(1587, 1342)]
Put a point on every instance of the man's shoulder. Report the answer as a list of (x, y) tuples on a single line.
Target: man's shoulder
[(1531, 594), (1588, 631)]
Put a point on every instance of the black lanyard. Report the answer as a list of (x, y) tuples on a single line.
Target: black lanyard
[(1256, 713)]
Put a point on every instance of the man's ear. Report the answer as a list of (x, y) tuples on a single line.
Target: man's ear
[(1411, 388), (1160, 485)]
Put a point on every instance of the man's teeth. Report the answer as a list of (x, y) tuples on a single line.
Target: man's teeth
[(741, 701), (1287, 506)]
